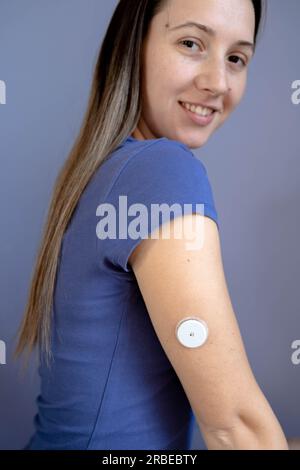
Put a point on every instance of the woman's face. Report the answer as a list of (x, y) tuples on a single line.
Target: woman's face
[(204, 65)]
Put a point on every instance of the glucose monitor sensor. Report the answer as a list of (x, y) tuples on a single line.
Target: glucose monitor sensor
[(192, 332)]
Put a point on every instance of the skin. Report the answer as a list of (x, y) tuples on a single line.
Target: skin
[(209, 70)]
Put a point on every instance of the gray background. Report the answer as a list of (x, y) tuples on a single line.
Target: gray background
[(47, 53)]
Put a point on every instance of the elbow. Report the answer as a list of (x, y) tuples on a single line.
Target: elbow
[(245, 432)]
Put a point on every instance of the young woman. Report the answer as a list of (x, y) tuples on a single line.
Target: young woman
[(106, 301)]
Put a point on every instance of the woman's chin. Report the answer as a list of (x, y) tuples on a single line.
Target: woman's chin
[(194, 142)]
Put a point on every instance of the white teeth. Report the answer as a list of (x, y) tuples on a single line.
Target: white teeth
[(198, 109)]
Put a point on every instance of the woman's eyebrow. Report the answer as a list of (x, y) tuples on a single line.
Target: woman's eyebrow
[(211, 32)]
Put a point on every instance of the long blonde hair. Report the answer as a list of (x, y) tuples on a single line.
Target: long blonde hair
[(113, 111)]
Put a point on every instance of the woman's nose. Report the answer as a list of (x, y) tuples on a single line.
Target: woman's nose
[(213, 77)]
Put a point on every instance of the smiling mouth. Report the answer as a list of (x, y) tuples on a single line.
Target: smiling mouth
[(196, 116), (197, 109)]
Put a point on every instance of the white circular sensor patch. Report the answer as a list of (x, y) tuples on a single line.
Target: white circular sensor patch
[(192, 332)]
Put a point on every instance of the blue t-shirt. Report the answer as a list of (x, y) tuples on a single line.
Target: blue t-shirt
[(111, 385)]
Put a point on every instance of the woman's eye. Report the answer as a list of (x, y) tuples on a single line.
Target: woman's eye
[(242, 61), (190, 43)]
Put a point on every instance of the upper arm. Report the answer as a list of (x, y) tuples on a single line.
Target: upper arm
[(176, 283)]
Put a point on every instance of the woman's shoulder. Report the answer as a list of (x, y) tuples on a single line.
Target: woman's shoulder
[(159, 155)]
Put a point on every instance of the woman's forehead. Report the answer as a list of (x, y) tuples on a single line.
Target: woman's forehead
[(236, 16), (218, 11)]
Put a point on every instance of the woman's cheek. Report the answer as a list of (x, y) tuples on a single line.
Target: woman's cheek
[(240, 89)]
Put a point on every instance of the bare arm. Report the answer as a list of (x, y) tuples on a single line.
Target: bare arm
[(294, 443), (228, 404)]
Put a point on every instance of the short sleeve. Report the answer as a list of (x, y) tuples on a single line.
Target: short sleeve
[(160, 175)]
